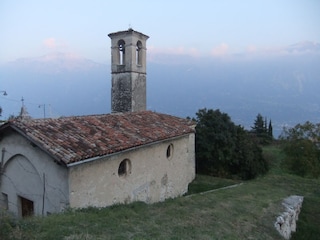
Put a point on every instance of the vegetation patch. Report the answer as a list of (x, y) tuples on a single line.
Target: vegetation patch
[(224, 149), (302, 149), (309, 219), (204, 183)]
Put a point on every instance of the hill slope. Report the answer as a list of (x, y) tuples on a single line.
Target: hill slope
[(244, 212)]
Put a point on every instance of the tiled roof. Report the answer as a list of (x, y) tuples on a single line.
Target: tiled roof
[(72, 139)]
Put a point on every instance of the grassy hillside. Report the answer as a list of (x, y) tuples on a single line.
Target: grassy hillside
[(247, 211)]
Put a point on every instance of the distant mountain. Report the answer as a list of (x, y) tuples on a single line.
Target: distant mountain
[(283, 88), (66, 84), (54, 63), (306, 46)]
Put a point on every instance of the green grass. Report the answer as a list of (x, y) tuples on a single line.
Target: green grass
[(275, 156), (309, 223), (244, 212), (203, 183)]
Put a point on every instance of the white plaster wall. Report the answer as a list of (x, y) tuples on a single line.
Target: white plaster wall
[(153, 176), (29, 172)]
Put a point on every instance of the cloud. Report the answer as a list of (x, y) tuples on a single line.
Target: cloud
[(221, 50), (174, 51), (252, 49), (305, 47), (53, 44), (50, 43), (181, 54)]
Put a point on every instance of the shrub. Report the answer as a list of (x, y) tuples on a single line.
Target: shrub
[(224, 149), (302, 149), (303, 158)]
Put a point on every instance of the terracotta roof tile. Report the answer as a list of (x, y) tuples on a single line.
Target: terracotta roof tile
[(72, 139)]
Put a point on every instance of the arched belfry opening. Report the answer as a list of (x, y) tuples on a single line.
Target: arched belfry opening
[(121, 52), (128, 69), (139, 53)]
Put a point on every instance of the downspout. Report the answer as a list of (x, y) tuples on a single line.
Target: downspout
[(2, 163), (44, 193)]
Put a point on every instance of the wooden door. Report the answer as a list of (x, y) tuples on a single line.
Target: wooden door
[(26, 207)]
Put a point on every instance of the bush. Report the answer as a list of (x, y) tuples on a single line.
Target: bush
[(7, 224), (302, 149), (224, 149), (303, 158), (251, 162)]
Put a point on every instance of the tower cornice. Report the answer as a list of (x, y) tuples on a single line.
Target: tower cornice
[(127, 32)]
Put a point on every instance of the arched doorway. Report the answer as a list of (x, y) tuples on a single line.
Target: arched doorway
[(23, 186)]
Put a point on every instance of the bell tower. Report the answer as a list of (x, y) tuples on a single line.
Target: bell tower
[(128, 70)]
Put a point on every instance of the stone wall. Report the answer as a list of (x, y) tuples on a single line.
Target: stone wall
[(155, 173), (286, 222)]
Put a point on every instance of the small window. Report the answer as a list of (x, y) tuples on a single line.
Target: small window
[(124, 168), (170, 151), (138, 53)]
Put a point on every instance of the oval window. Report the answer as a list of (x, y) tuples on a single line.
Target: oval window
[(170, 151)]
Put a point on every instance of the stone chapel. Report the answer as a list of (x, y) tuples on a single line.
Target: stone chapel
[(131, 154)]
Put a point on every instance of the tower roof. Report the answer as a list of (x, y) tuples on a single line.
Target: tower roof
[(127, 32), (24, 115)]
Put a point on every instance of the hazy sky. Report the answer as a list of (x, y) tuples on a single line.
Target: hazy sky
[(31, 28)]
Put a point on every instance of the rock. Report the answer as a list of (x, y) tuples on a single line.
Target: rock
[(286, 222)]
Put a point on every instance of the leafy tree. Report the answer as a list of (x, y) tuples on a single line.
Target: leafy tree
[(214, 140), (302, 149), (224, 149), (250, 161), (307, 130)]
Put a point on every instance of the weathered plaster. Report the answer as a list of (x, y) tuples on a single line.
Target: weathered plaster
[(153, 176), (128, 92)]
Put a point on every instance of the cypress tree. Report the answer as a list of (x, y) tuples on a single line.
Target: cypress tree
[(270, 131), (265, 125)]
